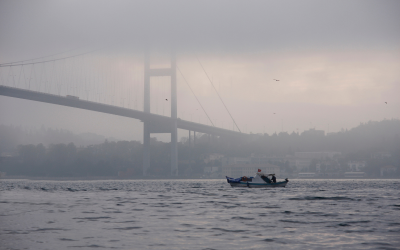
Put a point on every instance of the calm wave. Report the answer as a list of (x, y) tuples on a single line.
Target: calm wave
[(199, 214)]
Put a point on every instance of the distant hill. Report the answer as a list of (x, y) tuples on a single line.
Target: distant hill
[(12, 136), (378, 135)]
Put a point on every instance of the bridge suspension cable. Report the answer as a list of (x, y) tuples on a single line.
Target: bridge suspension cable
[(78, 76), (38, 57), (218, 94), (53, 60), (195, 95)]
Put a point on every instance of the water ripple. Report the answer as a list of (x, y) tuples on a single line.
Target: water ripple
[(193, 214)]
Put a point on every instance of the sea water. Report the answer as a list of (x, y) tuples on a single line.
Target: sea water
[(199, 214)]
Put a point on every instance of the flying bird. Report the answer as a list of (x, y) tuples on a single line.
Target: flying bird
[(386, 102), (274, 113), (276, 80), (166, 99)]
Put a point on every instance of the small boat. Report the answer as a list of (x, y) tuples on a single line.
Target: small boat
[(261, 180)]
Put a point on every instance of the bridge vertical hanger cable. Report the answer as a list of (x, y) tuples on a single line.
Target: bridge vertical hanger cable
[(13, 77), (55, 76), (30, 76), (153, 94), (113, 83), (35, 77), (195, 96), (135, 89), (93, 87), (88, 77), (128, 87), (76, 76), (107, 94), (1, 76), (44, 71), (96, 82), (101, 81), (3, 79), (8, 76), (105, 79), (67, 80), (137, 86), (163, 93), (131, 84), (218, 94), (59, 78), (19, 78), (157, 91)]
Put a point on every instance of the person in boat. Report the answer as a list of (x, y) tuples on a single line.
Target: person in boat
[(273, 179), (265, 178)]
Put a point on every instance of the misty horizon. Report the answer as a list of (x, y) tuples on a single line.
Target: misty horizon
[(333, 73), (173, 124)]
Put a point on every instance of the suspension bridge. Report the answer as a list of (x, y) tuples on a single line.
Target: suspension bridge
[(65, 80)]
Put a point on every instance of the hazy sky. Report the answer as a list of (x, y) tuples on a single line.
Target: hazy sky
[(338, 62)]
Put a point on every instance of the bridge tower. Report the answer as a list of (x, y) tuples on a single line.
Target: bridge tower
[(151, 127)]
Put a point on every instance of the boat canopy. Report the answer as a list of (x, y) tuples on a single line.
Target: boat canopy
[(262, 174)]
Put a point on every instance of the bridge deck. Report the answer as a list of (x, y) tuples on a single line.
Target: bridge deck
[(160, 123)]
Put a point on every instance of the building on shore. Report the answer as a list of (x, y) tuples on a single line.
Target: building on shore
[(304, 159), (354, 175), (388, 171), (212, 171), (235, 160), (356, 166), (126, 174), (307, 175)]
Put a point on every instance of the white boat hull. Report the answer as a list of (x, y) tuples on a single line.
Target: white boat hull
[(258, 185)]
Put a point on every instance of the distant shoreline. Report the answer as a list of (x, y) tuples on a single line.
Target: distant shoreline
[(99, 178), (115, 178)]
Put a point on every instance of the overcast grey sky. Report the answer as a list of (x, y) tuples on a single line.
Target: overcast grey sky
[(338, 62)]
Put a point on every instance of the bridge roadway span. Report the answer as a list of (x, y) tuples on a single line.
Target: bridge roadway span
[(158, 123)]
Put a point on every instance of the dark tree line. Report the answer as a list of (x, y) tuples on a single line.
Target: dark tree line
[(367, 137), (67, 160), (12, 136), (107, 158)]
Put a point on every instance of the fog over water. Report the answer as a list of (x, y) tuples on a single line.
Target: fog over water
[(337, 62), (311, 78)]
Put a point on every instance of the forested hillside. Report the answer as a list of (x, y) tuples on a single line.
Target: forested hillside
[(107, 158)]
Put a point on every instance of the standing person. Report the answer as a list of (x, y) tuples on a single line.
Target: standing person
[(273, 179)]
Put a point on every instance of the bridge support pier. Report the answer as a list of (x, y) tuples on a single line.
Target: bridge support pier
[(174, 116), (146, 108), (174, 150), (171, 128), (146, 148)]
